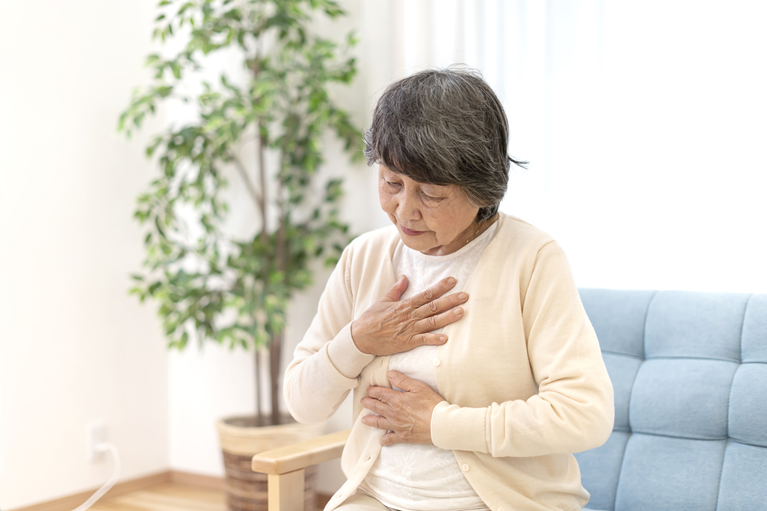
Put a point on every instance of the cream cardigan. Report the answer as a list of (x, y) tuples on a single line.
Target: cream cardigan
[(522, 374)]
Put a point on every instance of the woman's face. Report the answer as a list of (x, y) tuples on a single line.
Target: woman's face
[(435, 220)]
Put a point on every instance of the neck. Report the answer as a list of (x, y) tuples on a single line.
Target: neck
[(482, 226), (472, 232)]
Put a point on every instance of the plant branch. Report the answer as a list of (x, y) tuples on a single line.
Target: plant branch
[(257, 197), (260, 156)]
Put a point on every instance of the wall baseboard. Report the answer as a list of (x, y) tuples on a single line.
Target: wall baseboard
[(169, 476)]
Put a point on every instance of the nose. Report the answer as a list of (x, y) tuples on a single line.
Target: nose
[(408, 207)]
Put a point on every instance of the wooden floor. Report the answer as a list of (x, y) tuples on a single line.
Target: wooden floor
[(166, 497), (173, 497)]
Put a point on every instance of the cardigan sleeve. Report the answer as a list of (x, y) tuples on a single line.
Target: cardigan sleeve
[(326, 363), (573, 410)]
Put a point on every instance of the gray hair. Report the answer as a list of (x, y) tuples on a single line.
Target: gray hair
[(443, 127)]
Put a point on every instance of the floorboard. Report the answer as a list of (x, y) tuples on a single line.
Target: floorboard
[(173, 497)]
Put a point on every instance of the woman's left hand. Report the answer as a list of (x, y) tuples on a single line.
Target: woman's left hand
[(405, 414)]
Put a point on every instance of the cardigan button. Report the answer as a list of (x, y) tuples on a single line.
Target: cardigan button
[(465, 467), (436, 362)]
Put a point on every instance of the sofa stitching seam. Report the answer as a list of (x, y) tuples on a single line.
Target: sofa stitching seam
[(628, 410), (742, 323)]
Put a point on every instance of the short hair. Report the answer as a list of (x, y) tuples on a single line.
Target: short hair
[(445, 126)]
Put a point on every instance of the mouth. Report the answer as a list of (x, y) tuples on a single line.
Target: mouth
[(410, 232)]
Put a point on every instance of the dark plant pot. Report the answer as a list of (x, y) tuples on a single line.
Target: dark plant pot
[(241, 440)]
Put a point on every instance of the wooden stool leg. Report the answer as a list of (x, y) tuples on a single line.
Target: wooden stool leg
[(286, 491)]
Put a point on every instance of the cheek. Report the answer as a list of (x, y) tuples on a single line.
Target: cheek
[(386, 201)]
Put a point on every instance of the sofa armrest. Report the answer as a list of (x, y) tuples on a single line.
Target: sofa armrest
[(285, 468), (301, 455)]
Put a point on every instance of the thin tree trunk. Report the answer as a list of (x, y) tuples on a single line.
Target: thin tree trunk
[(275, 356), (276, 347), (260, 155), (259, 420)]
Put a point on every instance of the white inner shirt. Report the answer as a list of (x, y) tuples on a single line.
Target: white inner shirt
[(418, 477)]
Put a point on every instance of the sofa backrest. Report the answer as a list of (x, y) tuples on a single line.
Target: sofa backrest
[(689, 371)]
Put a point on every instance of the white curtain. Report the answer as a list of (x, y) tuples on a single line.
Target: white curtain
[(644, 122)]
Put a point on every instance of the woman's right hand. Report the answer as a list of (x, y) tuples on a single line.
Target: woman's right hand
[(391, 326)]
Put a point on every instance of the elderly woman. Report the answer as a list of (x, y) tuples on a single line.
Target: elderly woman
[(476, 372)]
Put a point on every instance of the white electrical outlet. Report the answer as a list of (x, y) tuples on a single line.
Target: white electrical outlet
[(95, 434)]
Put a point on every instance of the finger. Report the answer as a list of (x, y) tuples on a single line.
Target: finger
[(434, 292), (376, 421), (390, 439), (441, 305), (394, 292), (403, 382), (382, 394), (373, 405), (440, 320), (428, 339)]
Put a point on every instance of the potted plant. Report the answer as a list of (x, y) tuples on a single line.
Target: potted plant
[(211, 286)]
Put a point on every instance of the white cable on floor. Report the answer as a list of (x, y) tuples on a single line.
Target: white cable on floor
[(103, 447)]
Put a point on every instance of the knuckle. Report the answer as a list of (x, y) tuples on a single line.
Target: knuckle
[(429, 294), (432, 320), (433, 306)]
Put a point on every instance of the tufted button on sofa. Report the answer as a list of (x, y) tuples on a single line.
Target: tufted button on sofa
[(689, 371)]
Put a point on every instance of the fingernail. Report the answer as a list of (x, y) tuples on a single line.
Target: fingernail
[(458, 311), (451, 281), (392, 374), (462, 296), (442, 338)]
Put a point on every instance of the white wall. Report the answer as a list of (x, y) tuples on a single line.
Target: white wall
[(652, 172), (73, 346)]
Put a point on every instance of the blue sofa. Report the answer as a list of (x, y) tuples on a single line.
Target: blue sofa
[(689, 371)]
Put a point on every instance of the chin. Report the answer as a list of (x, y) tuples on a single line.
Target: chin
[(410, 243)]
